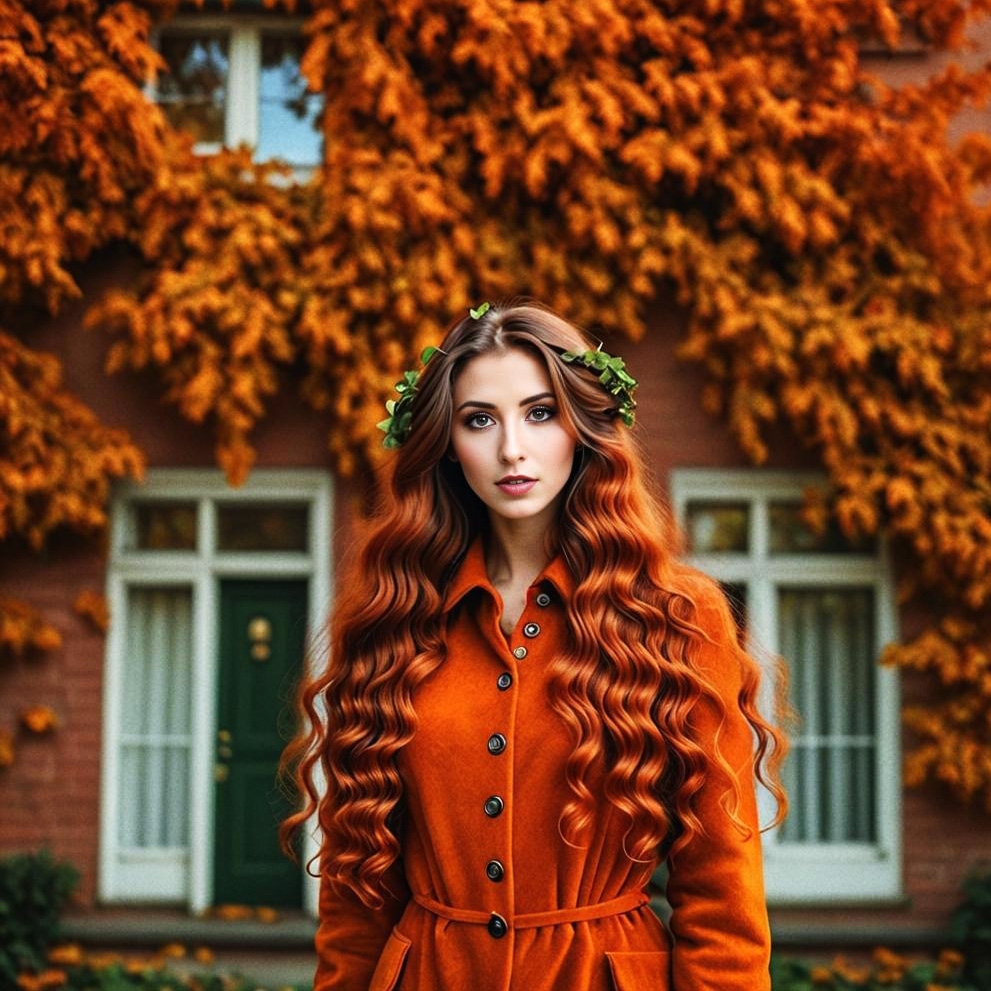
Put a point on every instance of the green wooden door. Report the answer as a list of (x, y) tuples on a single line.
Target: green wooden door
[(262, 631)]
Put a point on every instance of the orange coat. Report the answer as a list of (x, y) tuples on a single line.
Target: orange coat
[(493, 899)]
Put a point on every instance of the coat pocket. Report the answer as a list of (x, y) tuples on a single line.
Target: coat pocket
[(390, 963), (640, 970)]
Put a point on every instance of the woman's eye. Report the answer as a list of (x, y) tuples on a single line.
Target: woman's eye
[(543, 409), (471, 421)]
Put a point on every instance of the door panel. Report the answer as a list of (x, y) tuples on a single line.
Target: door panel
[(262, 635)]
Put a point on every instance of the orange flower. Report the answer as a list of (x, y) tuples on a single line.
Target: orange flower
[(266, 914), (40, 982), (950, 959), (233, 912), (70, 954), (176, 950), (203, 954)]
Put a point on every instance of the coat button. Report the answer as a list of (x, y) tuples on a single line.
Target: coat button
[(504, 680), (493, 806), (494, 870), (497, 743), (520, 652), (531, 630), (543, 599), (497, 925)]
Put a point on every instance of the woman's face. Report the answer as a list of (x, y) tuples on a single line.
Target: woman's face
[(506, 422)]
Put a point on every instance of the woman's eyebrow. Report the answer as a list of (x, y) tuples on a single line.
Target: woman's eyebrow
[(523, 402)]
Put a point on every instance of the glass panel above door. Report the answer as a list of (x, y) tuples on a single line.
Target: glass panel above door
[(163, 526), (254, 526)]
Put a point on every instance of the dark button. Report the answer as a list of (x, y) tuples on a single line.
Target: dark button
[(531, 630), (493, 805), (504, 680), (520, 652), (543, 599), (497, 925), (497, 743), (494, 870)]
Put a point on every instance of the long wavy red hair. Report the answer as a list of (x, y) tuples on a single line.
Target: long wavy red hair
[(626, 681)]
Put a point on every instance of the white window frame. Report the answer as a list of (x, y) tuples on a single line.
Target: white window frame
[(201, 570), (826, 873), (241, 110)]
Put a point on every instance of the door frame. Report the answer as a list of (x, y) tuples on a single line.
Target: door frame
[(201, 570)]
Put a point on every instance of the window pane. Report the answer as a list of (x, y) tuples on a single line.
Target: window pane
[(155, 739), (736, 595), (193, 93), (262, 527), (718, 526), (165, 526), (828, 638), (791, 535), (288, 123)]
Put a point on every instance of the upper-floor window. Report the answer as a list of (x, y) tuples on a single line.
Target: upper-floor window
[(824, 604), (237, 79)]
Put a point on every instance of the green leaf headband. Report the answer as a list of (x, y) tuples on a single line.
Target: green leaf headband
[(613, 376)]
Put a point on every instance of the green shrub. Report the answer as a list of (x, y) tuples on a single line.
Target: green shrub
[(33, 891), (970, 926), (888, 971)]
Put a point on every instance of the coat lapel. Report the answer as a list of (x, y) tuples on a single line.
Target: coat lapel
[(472, 574)]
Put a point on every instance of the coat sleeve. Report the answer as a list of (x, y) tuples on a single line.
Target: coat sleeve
[(350, 936), (715, 886)]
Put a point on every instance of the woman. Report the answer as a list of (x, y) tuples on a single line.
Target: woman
[(529, 703)]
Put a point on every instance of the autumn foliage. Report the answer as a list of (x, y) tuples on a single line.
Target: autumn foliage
[(821, 235)]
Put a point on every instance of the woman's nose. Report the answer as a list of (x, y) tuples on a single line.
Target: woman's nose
[(510, 445)]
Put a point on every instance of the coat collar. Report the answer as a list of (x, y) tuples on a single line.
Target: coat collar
[(472, 573)]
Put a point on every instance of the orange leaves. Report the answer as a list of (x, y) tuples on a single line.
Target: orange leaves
[(55, 457), (215, 318), (23, 629), (93, 606), (39, 719), (78, 138)]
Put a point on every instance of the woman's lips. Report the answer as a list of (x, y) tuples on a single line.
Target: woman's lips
[(517, 488)]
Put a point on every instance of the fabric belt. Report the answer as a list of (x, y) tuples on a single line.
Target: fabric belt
[(580, 913)]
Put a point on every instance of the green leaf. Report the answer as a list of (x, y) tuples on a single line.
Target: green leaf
[(427, 353), (480, 312)]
